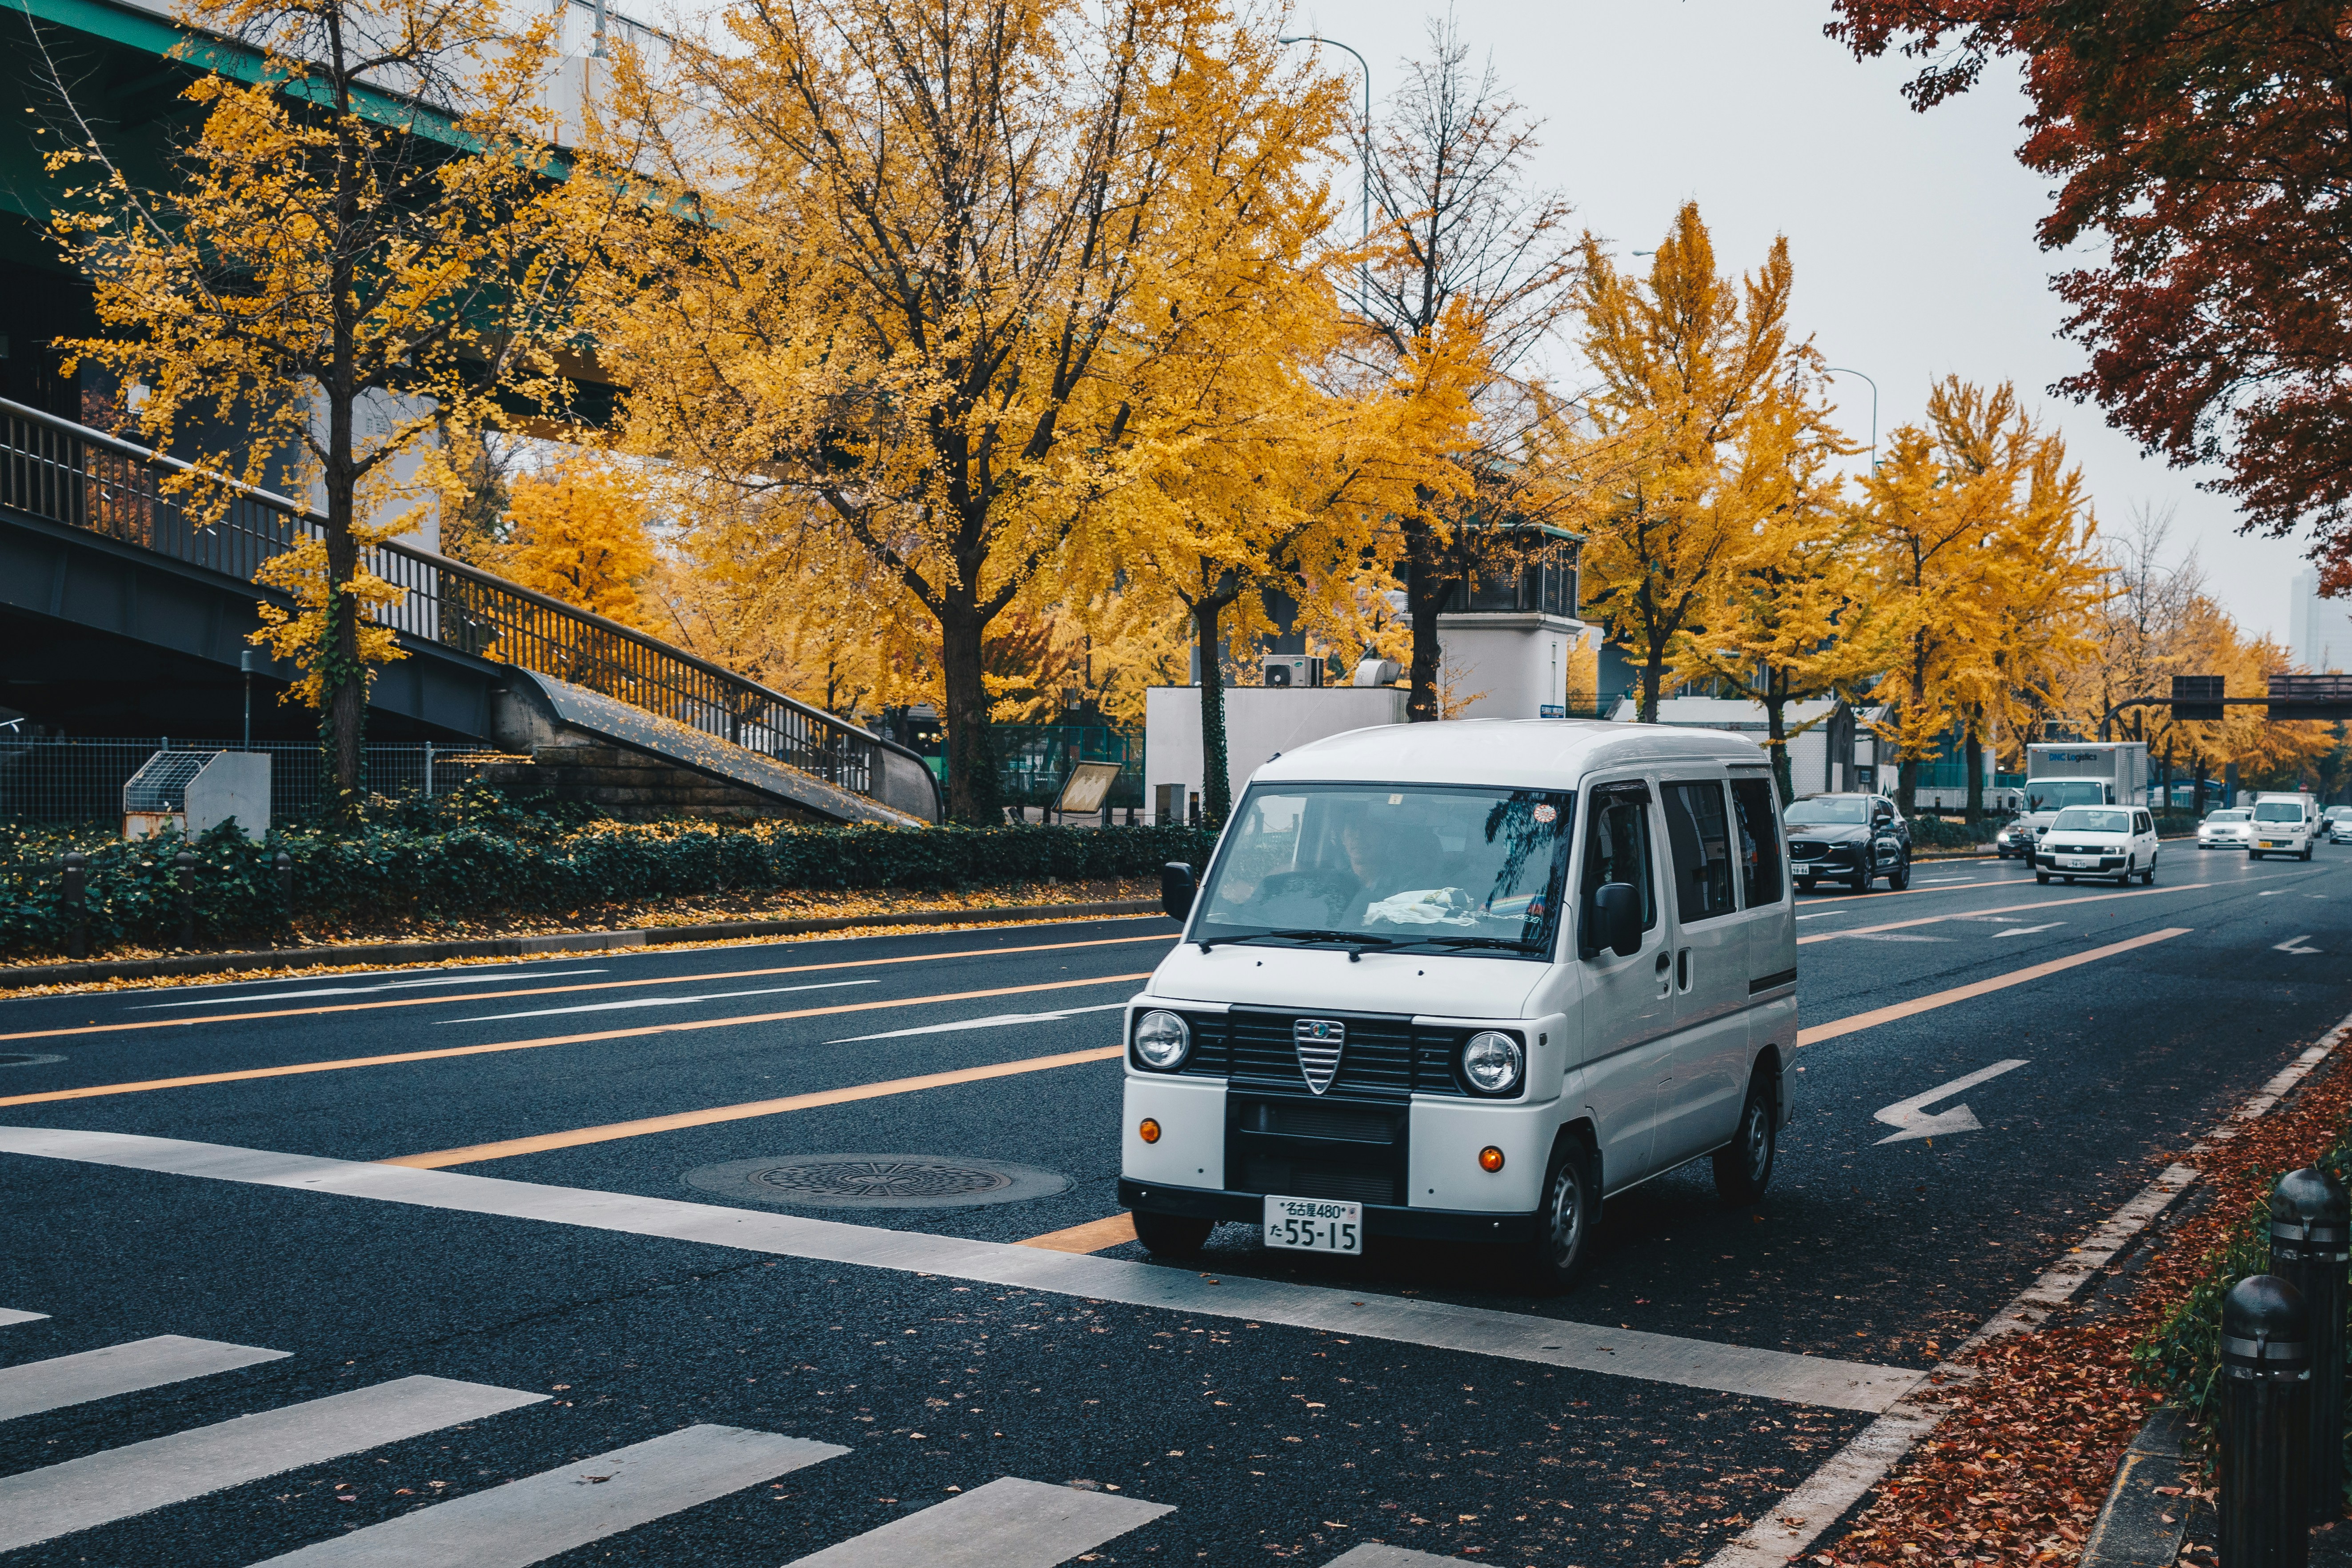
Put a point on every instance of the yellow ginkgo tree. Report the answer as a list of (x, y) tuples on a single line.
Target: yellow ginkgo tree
[(1688, 448), (355, 243)]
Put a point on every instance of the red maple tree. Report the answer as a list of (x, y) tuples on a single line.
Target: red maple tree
[(2208, 144)]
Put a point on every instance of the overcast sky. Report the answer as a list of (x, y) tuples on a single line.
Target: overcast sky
[(1912, 234)]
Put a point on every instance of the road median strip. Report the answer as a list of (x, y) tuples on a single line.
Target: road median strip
[(98, 1091)]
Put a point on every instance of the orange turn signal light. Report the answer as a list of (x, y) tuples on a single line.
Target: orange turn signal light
[(1149, 1132), (1490, 1158)]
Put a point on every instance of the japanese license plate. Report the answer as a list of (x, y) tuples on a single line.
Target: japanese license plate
[(2273, 843), (1314, 1225), (2075, 862)]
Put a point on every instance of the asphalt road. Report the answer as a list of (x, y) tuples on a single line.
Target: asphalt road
[(572, 1242)]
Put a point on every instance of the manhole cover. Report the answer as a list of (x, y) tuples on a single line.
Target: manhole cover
[(12, 1059), (875, 1181)]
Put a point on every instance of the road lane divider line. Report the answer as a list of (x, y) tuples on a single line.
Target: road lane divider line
[(1521, 1337), (627, 1002), (9, 1315), (140, 1477), (646, 1126), (1934, 1000), (559, 990), (1790, 1530), (2003, 909), (689, 1025), (1095, 1235)]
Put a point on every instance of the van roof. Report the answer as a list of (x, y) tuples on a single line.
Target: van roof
[(1515, 753)]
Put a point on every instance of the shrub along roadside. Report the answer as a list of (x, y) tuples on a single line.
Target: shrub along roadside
[(493, 860)]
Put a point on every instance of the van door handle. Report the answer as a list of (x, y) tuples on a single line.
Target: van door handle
[(1681, 970)]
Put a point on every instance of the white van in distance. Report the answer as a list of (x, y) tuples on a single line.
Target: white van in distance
[(2284, 825), (1462, 979)]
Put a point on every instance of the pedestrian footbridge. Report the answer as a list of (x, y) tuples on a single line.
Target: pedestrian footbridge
[(118, 609)]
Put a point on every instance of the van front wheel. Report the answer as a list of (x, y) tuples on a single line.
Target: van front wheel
[(1571, 1207), (1171, 1234), (1743, 1167)]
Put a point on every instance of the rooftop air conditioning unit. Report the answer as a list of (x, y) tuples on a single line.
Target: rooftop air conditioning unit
[(1293, 669)]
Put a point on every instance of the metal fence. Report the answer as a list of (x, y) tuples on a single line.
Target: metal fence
[(1033, 761), (71, 780), (69, 474)]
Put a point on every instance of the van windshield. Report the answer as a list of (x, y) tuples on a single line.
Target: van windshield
[(1391, 866), (2082, 819), (2055, 794), (2278, 811)]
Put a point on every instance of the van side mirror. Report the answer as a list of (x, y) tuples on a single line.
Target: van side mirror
[(1176, 889), (1613, 920)]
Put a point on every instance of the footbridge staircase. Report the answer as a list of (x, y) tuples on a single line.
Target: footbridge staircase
[(112, 594)]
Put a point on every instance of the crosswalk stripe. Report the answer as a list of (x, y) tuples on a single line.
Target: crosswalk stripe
[(1373, 1555), (50, 1385), (10, 1315), (99, 1489), (534, 1519), (1008, 1523)]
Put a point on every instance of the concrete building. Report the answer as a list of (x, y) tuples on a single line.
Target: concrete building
[(2319, 631), (1836, 751)]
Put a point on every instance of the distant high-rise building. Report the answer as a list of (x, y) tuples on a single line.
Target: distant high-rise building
[(2319, 631)]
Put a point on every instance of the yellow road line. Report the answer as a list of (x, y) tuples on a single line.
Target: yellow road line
[(101, 1090), (1095, 1235), (502, 994), (2004, 909), (572, 1140), (1929, 1003)]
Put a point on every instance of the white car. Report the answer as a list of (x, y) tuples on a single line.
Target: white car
[(2284, 825), (2336, 824), (2226, 830), (2087, 841)]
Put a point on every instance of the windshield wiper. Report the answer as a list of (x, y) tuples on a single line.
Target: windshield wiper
[(1355, 940), (1513, 944)]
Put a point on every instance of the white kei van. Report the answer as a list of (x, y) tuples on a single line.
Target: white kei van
[(1461, 980), (2284, 825)]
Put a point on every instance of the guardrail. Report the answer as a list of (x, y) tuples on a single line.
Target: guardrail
[(80, 478)]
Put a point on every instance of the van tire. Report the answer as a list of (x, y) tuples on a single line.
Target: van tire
[(2043, 878), (1568, 1216), (1171, 1234), (1743, 1167), (2307, 851), (2148, 877)]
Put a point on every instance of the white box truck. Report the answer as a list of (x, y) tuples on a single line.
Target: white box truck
[(2060, 774)]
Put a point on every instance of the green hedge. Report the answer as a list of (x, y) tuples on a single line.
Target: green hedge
[(2182, 1355), (481, 857), (1934, 833)]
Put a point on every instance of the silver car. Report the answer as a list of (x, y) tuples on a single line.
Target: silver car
[(2226, 830), (2338, 822)]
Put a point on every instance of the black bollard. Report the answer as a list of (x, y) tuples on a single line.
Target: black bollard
[(184, 876), (2264, 1494), (284, 866), (77, 901), (2311, 1247)]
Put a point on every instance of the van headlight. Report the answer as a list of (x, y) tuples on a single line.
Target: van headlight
[(1161, 1040), (1492, 1063)]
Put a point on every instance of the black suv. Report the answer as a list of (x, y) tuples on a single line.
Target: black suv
[(1848, 837)]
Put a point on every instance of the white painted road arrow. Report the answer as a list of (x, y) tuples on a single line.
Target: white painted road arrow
[(1912, 1117)]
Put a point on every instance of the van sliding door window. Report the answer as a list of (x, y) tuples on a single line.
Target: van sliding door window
[(1759, 840), (1617, 846), (1699, 833)]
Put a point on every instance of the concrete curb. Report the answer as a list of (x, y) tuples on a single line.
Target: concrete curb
[(403, 953), (2138, 1528)]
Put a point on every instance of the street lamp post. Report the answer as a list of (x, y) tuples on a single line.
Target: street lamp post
[(1836, 370), (1364, 156)]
